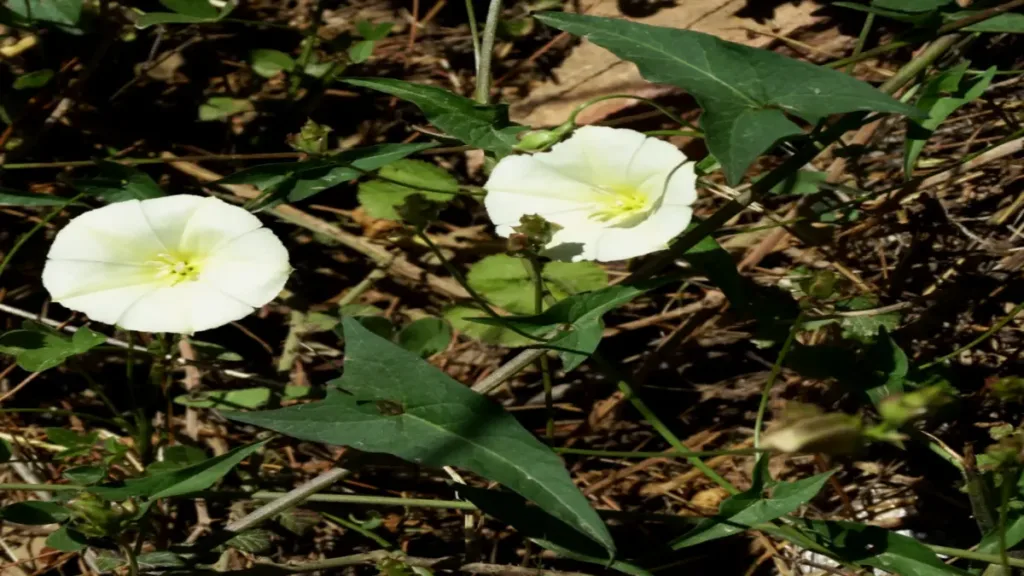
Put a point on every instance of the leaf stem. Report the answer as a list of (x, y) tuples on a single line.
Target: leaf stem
[(483, 73), (988, 334), (474, 33), (862, 38), (1004, 508), (660, 426), (972, 555), (766, 392)]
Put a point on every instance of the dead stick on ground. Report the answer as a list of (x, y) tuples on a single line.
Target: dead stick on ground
[(400, 267)]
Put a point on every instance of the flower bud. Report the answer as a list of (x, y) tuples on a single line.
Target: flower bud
[(537, 140), (312, 138), (899, 409)]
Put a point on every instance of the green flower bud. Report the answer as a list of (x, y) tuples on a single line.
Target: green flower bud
[(806, 429), (900, 409), (537, 140), (312, 138), (533, 233), (821, 284)]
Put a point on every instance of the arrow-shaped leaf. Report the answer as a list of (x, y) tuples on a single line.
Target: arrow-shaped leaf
[(394, 402)]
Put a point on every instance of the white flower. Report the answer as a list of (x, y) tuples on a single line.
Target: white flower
[(616, 194), (174, 264)]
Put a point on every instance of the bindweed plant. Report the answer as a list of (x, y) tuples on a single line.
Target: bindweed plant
[(577, 223)]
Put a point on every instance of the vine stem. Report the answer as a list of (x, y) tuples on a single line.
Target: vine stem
[(988, 334), (972, 555), (671, 115), (475, 34), (483, 73), (535, 269), (1004, 505), (766, 392)]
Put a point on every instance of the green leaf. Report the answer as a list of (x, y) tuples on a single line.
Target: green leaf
[(939, 107), (161, 559), (911, 5), (475, 124), (177, 457), (801, 183), (61, 12), (300, 180), (425, 337), (34, 79), (865, 328), (372, 31), (70, 439), (157, 18), (745, 92), (878, 548), (1007, 23), (298, 521), (67, 540), (542, 528), (85, 474), (747, 509), (1014, 535), (403, 178), (360, 51), (919, 19), (465, 319), (117, 183), (580, 315), (252, 541), (505, 281), (394, 402), (34, 513), (5, 452), (182, 481), (222, 107), (36, 350), (194, 8), (889, 366), (246, 398), (15, 198), (270, 63)]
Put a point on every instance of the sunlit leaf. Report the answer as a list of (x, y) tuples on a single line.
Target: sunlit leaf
[(425, 337), (392, 401), (380, 197), (269, 63), (475, 124), (745, 92)]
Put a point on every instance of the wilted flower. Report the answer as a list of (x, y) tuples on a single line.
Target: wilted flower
[(615, 193), (175, 264)]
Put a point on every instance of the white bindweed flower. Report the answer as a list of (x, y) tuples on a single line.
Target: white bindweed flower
[(174, 264), (616, 194)]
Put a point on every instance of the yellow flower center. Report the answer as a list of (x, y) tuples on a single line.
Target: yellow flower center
[(176, 268), (620, 205)]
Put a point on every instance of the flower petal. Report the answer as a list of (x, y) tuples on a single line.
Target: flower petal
[(252, 268), (183, 309), (213, 224), (101, 290), (599, 155), (653, 234), (117, 233), (522, 185)]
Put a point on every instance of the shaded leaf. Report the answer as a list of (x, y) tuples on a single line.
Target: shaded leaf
[(464, 319), (62, 12), (67, 540), (911, 5), (394, 402), (747, 509), (177, 457), (475, 124), (185, 12), (425, 337), (300, 180), (40, 348), (298, 521), (5, 452), (34, 513), (117, 183), (889, 366), (15, 198), (34, 79), (402, 178), (878, 548), (194, 8), (182, 481), (939, 107), (745, 92), (251, 541), (361, 51), (161, 559), (85, 474), (222, 107), (1007, 23), (372, 31)]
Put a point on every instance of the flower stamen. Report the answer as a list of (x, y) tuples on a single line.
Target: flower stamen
[(620, 205)]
